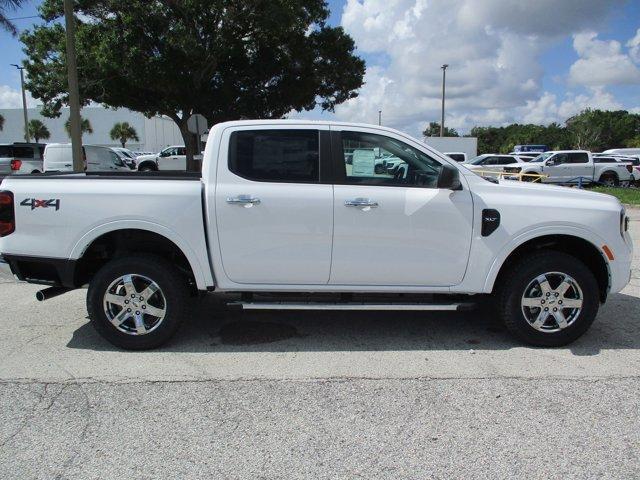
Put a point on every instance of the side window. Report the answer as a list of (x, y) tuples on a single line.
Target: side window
[(579, 157), (182, 151), (23, 152), (372, 159), (561, 158), (275, 155), (505, 160)]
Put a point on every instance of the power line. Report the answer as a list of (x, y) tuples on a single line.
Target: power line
[(23, 18)]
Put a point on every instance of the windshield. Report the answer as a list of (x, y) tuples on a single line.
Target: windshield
[(477, 160), (542, 157)]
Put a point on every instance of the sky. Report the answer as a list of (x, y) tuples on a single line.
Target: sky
[(524, 61)]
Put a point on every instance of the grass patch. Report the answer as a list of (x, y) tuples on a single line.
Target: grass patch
[(629, 196)]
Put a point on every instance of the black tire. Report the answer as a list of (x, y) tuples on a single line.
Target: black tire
[(521, 273), (147, 168), (609, 179), (169, 279)]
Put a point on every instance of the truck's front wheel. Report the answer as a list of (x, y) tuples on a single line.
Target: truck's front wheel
[(137, 302), (548, 299)]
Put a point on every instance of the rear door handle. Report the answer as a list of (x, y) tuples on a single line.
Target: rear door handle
[(361, 202), (243, 200)]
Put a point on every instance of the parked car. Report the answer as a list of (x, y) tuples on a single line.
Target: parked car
[(58, 158), (490, 163), (457, 156), (572, 167), (276, 222), (170, 158), (21, 158)]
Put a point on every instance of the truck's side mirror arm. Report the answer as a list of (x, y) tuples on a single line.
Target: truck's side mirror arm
[(449, 178)]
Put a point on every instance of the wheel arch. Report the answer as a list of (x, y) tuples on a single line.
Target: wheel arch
[(110, 241), (577, 246), (609, 172)]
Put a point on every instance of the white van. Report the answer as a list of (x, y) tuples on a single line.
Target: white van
[(58, 158)]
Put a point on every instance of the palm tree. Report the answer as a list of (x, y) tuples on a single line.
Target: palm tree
[(85, 126), (123, 132), (38, 130), (5, 6), (1, 122)]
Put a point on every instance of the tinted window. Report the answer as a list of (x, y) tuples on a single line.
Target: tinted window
[(275, 155), (182, 151), (458, 157), (503, 160), (23, 152), (604, 160), (579, 157), (6, 151), (372, 159)]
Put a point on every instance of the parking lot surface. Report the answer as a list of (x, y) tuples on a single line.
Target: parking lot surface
[(317, 395)]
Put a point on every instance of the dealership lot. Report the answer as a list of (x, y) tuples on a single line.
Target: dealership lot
[(319, 395)]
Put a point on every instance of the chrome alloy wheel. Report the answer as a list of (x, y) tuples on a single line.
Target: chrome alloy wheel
[(552, 302), (135, 304)]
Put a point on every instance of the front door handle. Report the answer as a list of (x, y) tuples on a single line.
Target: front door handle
[(243, 200), (361, 202)]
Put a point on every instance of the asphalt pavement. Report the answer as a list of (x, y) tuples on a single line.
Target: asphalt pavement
[(317, 395)]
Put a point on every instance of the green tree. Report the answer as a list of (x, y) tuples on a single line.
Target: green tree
[(224, 59), (123, 132), (633, 142), (433, 130), (85, 126), (6, 6), (38, 130)]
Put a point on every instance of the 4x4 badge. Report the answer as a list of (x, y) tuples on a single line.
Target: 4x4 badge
[(35, 203)]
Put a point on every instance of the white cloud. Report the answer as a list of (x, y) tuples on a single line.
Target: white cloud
[(548, 109), (602, 62), (12, 98), (634, 47), (493, 48)]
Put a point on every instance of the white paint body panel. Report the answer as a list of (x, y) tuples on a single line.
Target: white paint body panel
[(301, 237)]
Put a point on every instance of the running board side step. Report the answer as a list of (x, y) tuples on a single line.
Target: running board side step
[(455, 307)]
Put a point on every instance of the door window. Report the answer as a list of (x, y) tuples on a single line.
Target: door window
[(560, 158), (182, 151), (370, 159), (578, 157), (275, 155), (505, 160)]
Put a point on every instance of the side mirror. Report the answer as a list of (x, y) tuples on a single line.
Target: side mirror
[(449, 178)]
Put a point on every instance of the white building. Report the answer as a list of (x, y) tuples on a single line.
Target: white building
[(468, 145), (154, 133)]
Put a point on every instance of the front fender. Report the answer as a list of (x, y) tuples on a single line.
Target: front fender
[(575, 231)]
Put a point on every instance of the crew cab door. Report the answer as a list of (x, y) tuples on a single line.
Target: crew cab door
[(395, 229), (274, 216), (556, 167)]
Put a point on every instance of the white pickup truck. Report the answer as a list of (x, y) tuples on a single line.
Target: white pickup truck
[(573, 166), (280, 220)]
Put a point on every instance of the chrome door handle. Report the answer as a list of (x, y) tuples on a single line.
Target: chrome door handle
[(243, 200), (361, 202)]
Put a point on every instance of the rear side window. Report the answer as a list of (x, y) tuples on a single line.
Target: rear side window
[(275, 155), (604, 160), (579, 157), (6, 151), (23, 152)]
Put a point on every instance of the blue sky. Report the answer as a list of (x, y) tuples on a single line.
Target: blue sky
[(510, 60)]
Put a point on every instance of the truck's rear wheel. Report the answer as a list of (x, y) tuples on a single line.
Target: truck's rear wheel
[(609, 179), (548, 299), (137, 302)]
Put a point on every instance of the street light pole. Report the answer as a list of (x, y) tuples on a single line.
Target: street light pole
[(74, 94), (24, 103), (444, 73), (379, 117)]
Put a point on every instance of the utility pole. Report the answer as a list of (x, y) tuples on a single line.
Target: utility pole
[(444, 74), (24, 103), (379, 117), (74, 94)]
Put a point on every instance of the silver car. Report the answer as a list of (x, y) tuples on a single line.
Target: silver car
[(21, 158)]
